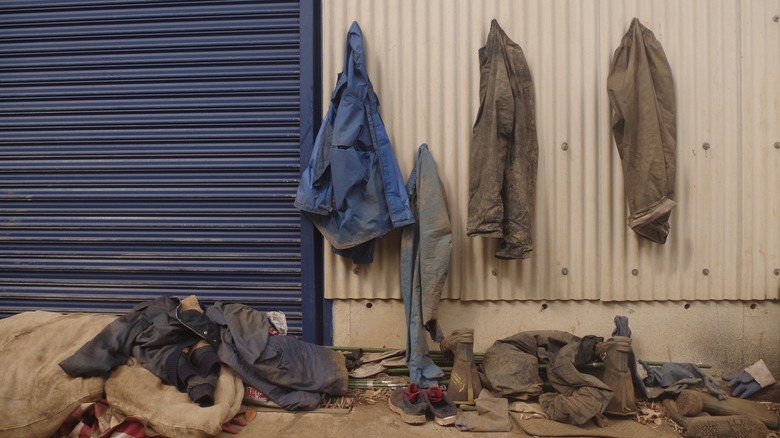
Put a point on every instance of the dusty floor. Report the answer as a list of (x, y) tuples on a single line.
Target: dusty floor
[(364, 420), (372, 418)]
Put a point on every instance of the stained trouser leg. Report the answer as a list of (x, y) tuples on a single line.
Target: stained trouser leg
[(520, 179), (641, 93), (504, 149), (422, 370), (491, 138)]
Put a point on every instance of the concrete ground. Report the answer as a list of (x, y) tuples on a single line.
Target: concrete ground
[(364, 420), (373, 420), (367, 419)]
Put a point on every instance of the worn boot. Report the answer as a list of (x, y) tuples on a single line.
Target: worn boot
[(617, 375), (464, 386)]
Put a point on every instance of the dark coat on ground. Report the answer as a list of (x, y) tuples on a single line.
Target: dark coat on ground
[(154, 332), (294, 374)]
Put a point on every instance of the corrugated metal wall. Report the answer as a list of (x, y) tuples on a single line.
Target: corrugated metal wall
[(725, 55), (149, 148), (760, 140)]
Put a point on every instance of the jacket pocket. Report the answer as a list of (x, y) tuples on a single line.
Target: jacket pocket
[(350, 173), (349, 120)]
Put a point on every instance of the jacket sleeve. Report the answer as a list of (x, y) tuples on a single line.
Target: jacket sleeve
[(316, 189), (108, 349), (351, 112)]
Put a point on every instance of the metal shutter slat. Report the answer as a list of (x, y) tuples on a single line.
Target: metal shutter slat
[(146, 149)]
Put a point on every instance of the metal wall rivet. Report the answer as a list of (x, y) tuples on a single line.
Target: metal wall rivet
[(777, 145), (687, 306), (706, 146), (753, 306), (776, 18), (565, 146), (635, 272), (544, 306), (705, 271), (494, 272), (777, 271), (565, 271)]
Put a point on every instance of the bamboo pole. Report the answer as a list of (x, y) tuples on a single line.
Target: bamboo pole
[(440, 359)]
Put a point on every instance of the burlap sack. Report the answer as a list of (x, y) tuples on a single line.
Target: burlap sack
[(35, 394), (132, 390)]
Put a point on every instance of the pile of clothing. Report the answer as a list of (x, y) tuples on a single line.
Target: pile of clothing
[(186, 346)]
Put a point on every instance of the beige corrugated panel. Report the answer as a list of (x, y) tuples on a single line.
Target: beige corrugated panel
[(724, 242), (760, 161)]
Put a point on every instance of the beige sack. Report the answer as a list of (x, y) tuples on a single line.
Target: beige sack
[(36, 395)]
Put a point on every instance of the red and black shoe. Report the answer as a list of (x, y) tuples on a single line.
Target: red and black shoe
[(409, 403), (441, 406)]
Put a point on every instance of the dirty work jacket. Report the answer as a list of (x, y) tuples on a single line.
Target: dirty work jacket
[(504, 149), (294, 374), (352, 188), (426, 247), (641, 94), (151, 332), (511, 370)]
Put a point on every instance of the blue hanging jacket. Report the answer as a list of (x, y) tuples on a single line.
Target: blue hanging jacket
[(352, 188)]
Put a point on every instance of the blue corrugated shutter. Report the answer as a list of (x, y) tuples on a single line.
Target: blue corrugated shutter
[(149, 148)]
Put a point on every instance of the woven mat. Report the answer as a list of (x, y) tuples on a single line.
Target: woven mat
[(618, 428)]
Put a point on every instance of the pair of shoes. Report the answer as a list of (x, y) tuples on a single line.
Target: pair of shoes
[(412, 404)]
